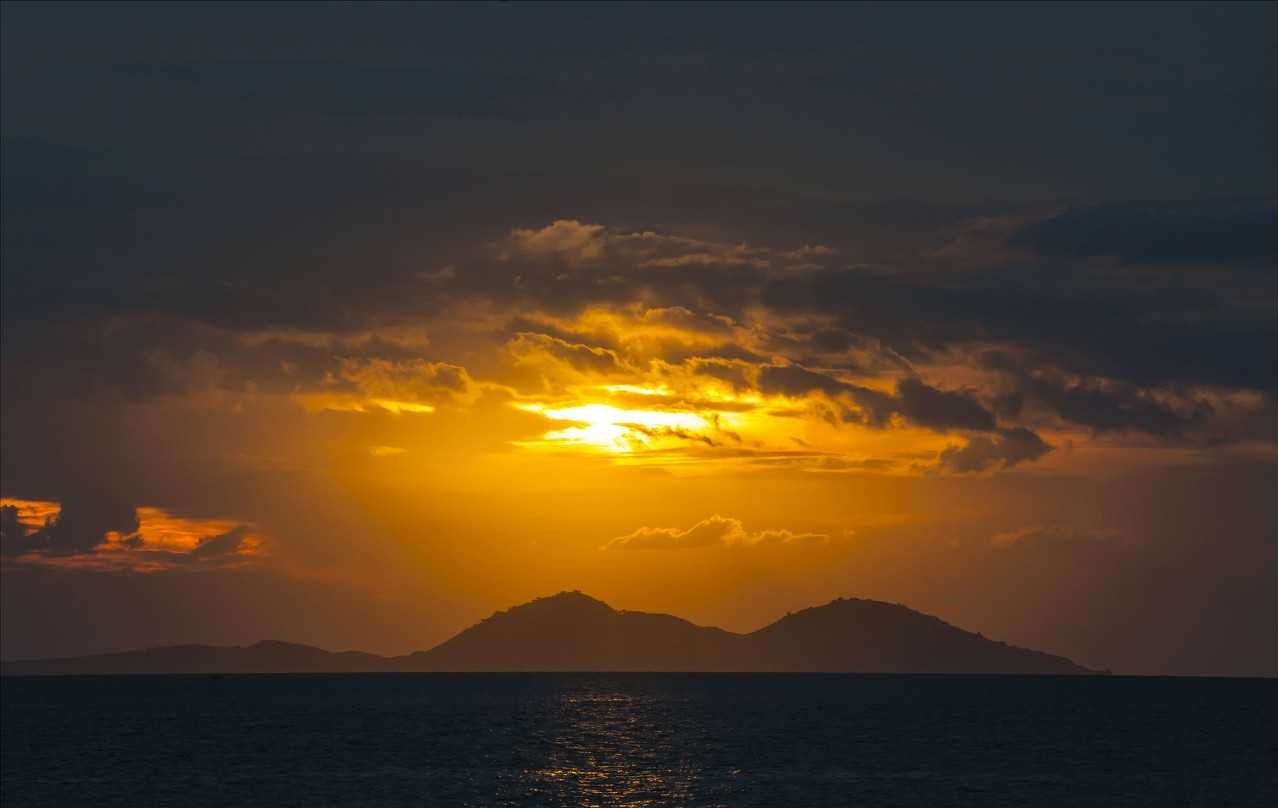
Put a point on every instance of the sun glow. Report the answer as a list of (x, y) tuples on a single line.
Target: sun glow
[(613, 429)]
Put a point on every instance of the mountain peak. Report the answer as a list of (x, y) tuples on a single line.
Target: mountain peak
[(574, 597), (854, 607), (855, 634), (563, 604)]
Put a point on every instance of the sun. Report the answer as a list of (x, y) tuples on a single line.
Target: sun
[(604, 427)]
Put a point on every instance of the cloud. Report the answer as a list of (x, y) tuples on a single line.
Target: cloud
[(866, 344), (916, 401), (716, 531), (731, 372), (13, 533), (795, 381), (678, 434), (223, 544), (858, 404), (1100, 405), (736, 255), (782, 537), (528, 347), (575, 242), (1239, 231), (568, 239), (939, 409), (410, 380), (706, 533), (682, 319), (1004, 450), (101, 534), (81, 525), (1088, 324)]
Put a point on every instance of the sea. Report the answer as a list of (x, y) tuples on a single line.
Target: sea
[(637, 740)]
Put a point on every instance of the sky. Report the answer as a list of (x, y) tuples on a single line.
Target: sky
[(349, 324)]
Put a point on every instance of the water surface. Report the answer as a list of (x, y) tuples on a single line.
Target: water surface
[(637, 740)]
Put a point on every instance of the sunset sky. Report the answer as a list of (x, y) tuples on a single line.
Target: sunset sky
[(350, 324)]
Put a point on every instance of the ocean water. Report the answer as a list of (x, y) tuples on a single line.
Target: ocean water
[(637, 740)]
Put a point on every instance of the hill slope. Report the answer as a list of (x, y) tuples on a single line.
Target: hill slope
[(573, 632), (873, 636)]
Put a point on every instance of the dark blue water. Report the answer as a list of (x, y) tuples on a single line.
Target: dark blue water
[(637, 740)]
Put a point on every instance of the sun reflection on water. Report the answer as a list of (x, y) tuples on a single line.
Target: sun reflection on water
[(613, 748)]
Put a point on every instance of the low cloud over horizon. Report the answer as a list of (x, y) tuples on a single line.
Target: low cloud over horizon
[(715, 531)]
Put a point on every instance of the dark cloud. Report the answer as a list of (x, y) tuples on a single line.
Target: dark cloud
[(863, 405), (985, 452), (258, 246), (730, 372), (77, 535), (940, 409), (81, 525), (1109, 408), (686, 435), (1087, 324), (223, 544), (915, 400), (13, 533), (1208, 232), (793, 380), (833, 340), (140, 357)]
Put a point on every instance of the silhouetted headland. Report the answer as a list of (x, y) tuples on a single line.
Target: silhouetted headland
[(574, 632)]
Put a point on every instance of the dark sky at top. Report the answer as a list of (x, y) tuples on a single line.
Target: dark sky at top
[(943, 102)]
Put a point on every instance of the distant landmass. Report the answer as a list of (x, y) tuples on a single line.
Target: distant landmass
[(574, 632)]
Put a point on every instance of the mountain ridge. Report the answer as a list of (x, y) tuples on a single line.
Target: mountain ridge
[(571, 631)]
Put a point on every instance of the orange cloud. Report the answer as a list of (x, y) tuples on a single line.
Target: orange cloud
[(163, 540), (716, 531), (403, 386), (564, 238)]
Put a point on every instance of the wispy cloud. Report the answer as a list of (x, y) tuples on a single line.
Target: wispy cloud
[(716, 531)]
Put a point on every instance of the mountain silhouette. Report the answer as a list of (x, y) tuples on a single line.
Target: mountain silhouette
[(267, 656), (574, 632)]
